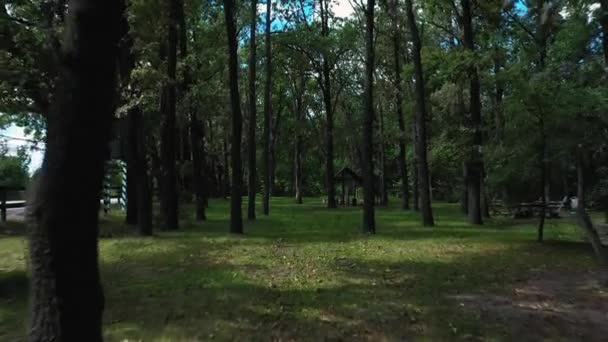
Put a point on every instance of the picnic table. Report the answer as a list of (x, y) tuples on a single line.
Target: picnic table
[(532, 209)]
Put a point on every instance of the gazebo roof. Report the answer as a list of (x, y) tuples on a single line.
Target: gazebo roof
[(346, 172)]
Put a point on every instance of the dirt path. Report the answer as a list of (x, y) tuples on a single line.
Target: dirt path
[(549, 306)]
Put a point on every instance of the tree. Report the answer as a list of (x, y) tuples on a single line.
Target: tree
[(13, 168), (253, 105), (168, 128), (325, 84), (369, 220), (236, 215), (66, 293), (405, 192), (474, 164), (421, 143), (143, 188), (267, 113)]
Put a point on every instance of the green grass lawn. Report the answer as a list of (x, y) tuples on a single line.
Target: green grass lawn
[(307, 273)]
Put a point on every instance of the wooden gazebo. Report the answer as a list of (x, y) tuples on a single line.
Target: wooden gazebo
[(350, 182)]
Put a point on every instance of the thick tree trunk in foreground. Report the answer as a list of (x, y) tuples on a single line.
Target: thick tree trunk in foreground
[(168, 127), (405, 188), (474, 163), (236, 215), (66, 292), (584, 220), (369, 219), (267, 114), (421, 145), (253, 109), (144, 192), (329, 112)]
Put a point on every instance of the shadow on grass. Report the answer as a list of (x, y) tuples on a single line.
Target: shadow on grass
[(196, 295)]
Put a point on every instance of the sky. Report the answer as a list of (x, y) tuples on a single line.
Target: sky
[(13, 144), (343, 9)]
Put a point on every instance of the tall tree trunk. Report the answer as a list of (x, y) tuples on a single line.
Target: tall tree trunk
[(168, 127), (144, 193), (584, 220), (66, 293), (236, 215), (329, 112), (195, 147), (421, 145), (225, 171), (132, 158), (298, 137), (405, 191), (415, 183), (198, 161), (369, 220), (253, 109), (274, 136), (267, 113), (474, 163), (499, 119), (543, 171), (384, 179)]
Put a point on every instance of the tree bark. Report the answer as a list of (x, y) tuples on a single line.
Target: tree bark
[(474, 163), (168, 127), (194, 147), (198, 160), (236, 215), (267, 114), (543, 172), (421, 145), (405, 191), (66, 295), (144, 193), (299, 111), (369, 220), (415, 183), (329, 126), (384, 179), (251, 145)]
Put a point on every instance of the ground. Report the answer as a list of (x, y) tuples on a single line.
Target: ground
[(307, 273)]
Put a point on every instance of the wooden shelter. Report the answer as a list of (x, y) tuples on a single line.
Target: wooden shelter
[(350, 182)]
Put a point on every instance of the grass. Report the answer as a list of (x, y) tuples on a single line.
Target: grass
[(305, 273)]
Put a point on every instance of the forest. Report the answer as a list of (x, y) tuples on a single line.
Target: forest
[(374, 170)]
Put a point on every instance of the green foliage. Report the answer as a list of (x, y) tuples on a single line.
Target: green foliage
[(14, 168)]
